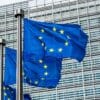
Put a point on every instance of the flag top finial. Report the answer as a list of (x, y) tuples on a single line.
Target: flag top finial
[(19, 12), (2, 41)]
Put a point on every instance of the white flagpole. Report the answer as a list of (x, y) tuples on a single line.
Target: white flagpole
[(19, 14), (2, 44)]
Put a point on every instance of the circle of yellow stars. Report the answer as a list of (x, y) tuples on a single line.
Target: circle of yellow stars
[(54, 29)]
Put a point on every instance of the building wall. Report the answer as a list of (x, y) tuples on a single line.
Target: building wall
[(79, 81)]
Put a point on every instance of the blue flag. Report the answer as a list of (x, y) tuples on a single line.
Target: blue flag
[(27, 97), (10, 66), (45, 73), (10, 93), (42, 39)]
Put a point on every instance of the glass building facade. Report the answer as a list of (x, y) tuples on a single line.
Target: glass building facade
[(79, 81)]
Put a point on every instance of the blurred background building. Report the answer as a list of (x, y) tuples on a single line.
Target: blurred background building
[(79, 81)]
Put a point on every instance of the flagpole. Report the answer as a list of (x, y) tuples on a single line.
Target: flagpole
[(19, 14), (2, 44)]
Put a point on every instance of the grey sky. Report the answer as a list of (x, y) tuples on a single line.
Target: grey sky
[(5, 2)]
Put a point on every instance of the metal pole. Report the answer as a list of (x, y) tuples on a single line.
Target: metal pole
[(2, 44), (19, 14)]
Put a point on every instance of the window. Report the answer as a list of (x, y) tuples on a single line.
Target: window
[(83, 23), (94, 21), (78, 79), (87, 63), (95, 47), (88, 77), (89, 92), (97, 90), (97, 76), (95, 33), (91, 9), (82, 10)]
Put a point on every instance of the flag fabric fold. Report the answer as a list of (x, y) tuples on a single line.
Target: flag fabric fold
[(45, 73), (10, 66), (54, 40)]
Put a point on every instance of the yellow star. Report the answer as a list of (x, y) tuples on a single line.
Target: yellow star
[(40, 37), (40, 61), (66, 43), (45, 66), (4, 88), (36, 82), (42, 30), (60, 49), (42, 78), (51, 50), (54, 29), (42, 44), (9, 99), (5, 94), (46, 73), (61, 31)]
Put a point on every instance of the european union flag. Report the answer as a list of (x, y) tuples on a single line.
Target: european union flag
[(10, 93), (45, 73), (44, 39)]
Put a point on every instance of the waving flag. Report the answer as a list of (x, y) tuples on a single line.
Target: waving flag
[(45, 73), (54, 40), (10, 93)]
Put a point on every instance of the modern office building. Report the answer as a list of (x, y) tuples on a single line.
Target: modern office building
[(79, 81)]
